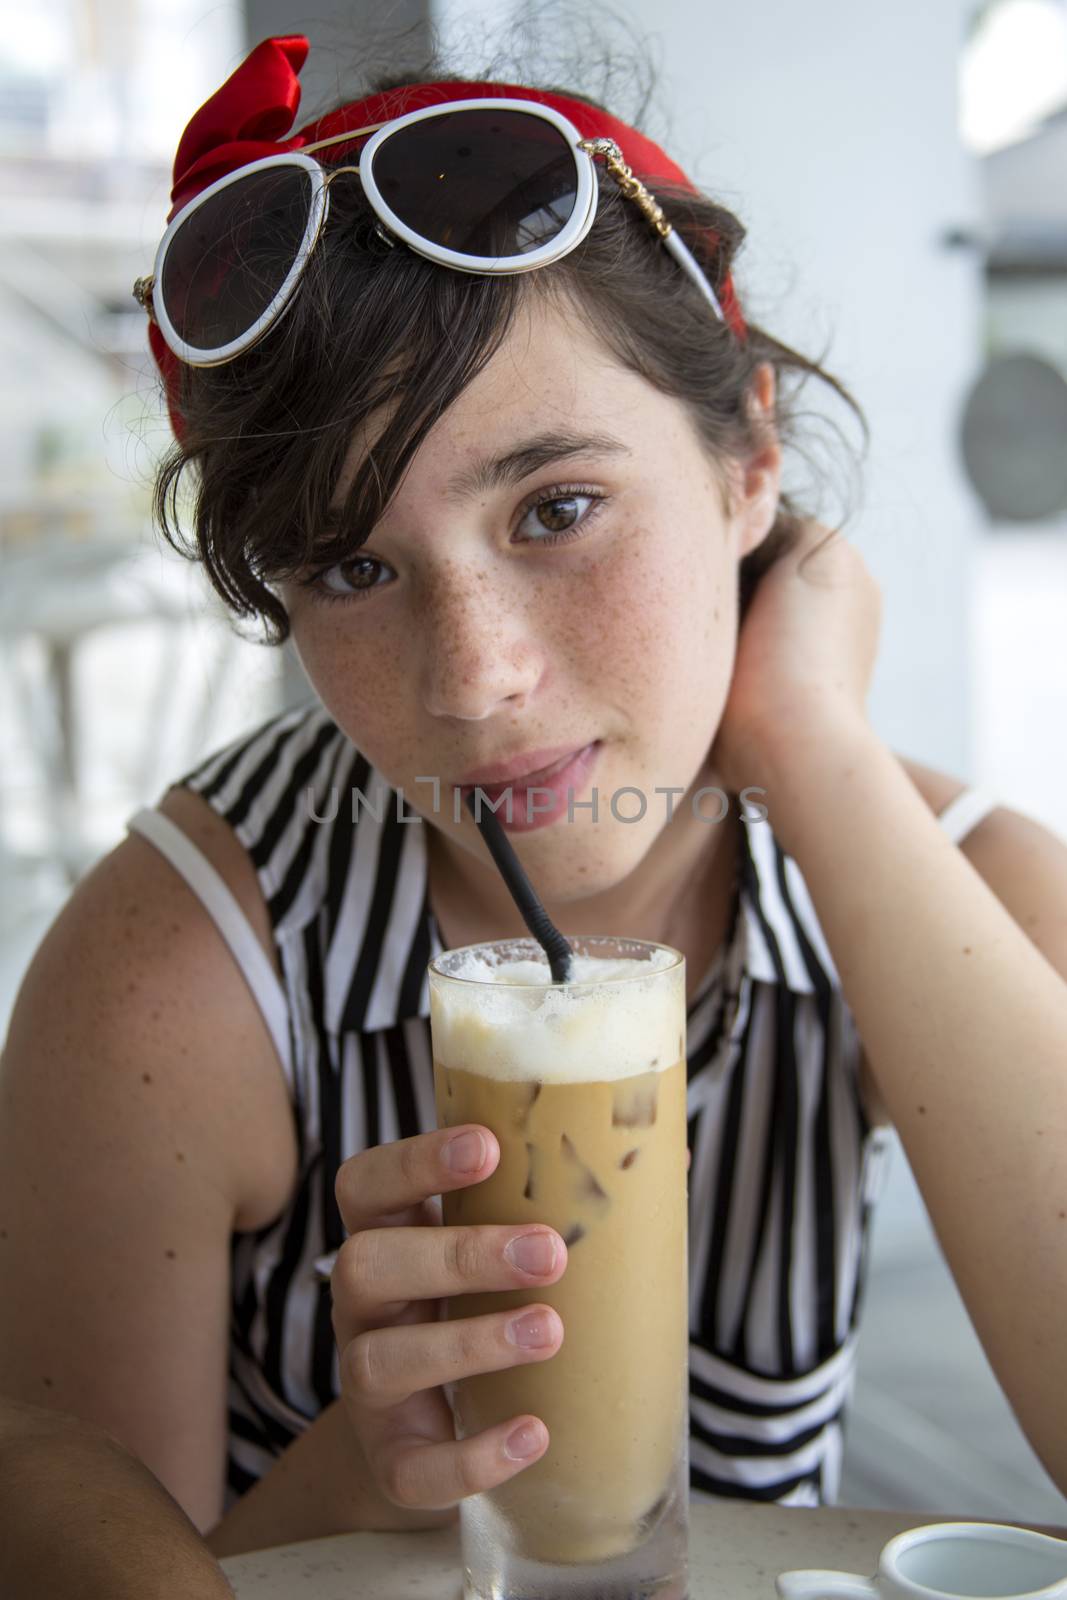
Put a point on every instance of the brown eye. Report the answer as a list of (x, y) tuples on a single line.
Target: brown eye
[(559, 514), (353, 577)]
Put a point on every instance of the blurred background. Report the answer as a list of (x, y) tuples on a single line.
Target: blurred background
[(902, 174)]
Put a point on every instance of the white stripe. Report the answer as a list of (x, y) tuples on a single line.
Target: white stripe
[(702, 1181), (409, 889), (204, 775), (762, 1339), (256, 752), (831, 1472), (803, 1282), (758, 960), (263, 1396), (805, 1494), (251, 1458), (844, 1141), (966, 812), (768, 1391), (272, 872), (877, 1161), (353, 1098), (771, 1430), (347, 943), (756, 1472), (777, 913), (748, 1170), (704, 1021), (436, 948), (311, 895), (709, 1090), (809, 921), (254, 824), (219, 902), (306, 1041)]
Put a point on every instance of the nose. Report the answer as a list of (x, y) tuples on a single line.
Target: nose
[(479, 647)]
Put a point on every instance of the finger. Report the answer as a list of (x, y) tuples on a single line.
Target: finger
[(391, 1177), (432, 1476), (386, 1366), (381, 1270)]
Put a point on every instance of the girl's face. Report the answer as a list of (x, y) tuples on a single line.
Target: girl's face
[(556, 570)]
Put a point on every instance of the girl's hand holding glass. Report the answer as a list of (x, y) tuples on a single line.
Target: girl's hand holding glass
[(396, 1355)]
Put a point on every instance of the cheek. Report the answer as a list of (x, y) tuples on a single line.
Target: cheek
[(362, 681), (658, 613)]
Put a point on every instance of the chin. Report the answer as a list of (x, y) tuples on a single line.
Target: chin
[(570, 863)]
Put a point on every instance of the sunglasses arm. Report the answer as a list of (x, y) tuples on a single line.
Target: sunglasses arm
[(635, 190)]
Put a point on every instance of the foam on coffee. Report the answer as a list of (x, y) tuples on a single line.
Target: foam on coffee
[(509, 1021)]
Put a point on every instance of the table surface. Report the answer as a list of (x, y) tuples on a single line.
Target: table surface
[(736, 1550)]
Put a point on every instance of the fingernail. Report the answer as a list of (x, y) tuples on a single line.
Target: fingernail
[(525, 1442), (465, 1154), (533, 1252), (533, 1331)]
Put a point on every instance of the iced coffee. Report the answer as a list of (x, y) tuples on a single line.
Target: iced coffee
[(584, 1086)]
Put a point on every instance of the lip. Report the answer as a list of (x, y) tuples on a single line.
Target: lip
[(562, 782), (529, 767)]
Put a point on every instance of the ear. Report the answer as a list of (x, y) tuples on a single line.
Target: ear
[(758, 480)]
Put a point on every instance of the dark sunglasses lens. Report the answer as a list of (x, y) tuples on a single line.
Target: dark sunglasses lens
[(225, 266), (483, 183)]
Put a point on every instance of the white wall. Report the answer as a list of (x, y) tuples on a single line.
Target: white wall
[(834, 125)]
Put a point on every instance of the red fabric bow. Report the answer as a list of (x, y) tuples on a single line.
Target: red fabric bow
[(248, 117)]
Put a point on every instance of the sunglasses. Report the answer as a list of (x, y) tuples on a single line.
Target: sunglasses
[(482, 186)]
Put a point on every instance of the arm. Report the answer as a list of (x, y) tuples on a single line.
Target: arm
[(123, 1537), (140, 1109), (958, 989)]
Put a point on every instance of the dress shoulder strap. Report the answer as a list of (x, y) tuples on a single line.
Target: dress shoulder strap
[(209, 887), (966, 812)]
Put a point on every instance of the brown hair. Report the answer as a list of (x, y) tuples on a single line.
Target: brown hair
[(374, 327)]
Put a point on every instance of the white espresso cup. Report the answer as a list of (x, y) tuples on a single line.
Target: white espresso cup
[(961, 1560)]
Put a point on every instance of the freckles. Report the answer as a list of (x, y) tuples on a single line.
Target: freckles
[(362, 685)]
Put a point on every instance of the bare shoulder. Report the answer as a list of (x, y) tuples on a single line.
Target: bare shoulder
[(144, 979)]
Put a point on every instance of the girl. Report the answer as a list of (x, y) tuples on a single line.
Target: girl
[(525, 528)]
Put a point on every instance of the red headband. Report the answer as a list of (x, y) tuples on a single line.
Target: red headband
[(248, 117)]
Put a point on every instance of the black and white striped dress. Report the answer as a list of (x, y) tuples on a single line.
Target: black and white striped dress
[(785, 1167)]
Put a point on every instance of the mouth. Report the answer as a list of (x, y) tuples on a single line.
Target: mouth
[(523, 769), (537, 798)]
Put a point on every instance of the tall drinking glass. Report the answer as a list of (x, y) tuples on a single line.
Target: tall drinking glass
[(584, 1086)]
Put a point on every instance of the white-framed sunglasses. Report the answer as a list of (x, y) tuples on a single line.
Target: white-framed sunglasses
[(482, 186)]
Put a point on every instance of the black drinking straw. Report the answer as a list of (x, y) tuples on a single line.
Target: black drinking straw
[(559, 953)]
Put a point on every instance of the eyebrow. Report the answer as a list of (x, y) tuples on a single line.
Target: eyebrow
[(500, 472)]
